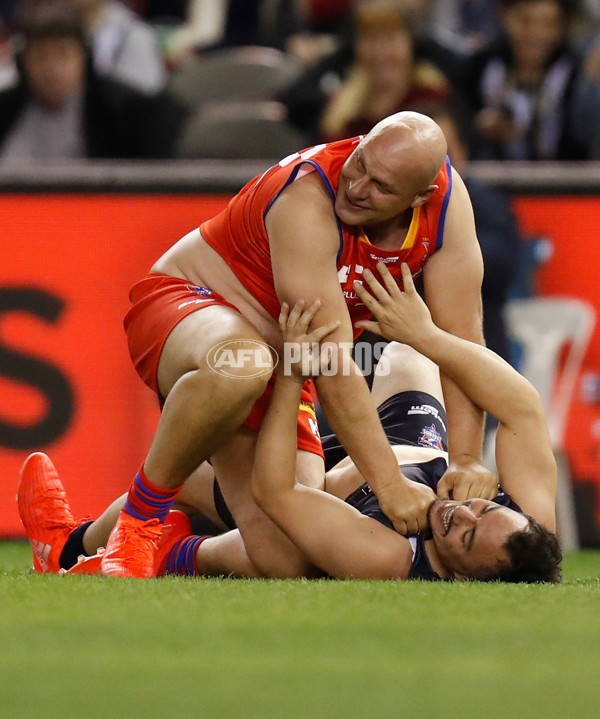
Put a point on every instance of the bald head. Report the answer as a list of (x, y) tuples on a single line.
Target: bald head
[(392, 171), (414, 143)]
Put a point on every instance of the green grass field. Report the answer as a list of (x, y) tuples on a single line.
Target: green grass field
[(87, 647)]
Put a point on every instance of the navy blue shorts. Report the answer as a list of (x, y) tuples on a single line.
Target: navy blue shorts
[(413, 418)]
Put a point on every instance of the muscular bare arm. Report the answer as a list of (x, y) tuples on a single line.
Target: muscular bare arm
[(332, 534), (304, 242), (452, 280), (523, 448)]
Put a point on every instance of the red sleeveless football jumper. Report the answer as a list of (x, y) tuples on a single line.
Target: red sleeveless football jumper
[(239, 235)]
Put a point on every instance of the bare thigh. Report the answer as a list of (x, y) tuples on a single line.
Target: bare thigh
[(402, 369), (191, 340)]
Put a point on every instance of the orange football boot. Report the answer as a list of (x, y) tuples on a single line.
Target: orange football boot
[(177, 525), (131, 548), (44, 511), (86, 565)]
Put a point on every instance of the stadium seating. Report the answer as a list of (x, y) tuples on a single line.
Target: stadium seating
[(242, 131), (236, 74)]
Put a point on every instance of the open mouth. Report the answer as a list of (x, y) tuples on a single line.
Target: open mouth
[(446, 517)]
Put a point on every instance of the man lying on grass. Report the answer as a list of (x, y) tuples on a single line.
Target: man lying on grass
[(342, 531)]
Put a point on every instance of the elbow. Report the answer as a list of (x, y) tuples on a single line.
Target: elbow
[(259, 493), (528, 405), (264, 494)]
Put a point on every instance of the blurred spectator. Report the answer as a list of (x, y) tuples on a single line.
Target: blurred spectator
[(62, 109), (308, 30), (521, 87), (207, 24), (307, 97), (385, 76), (202, 25), (124, 47), (587, 93)]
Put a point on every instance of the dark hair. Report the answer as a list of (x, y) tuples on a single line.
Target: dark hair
[(50, 19), (534, 557)]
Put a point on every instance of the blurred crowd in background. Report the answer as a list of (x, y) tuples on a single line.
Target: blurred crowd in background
[(507, 80), (247, 79), (510, 79)]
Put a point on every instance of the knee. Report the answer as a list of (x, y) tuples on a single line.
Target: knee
[(234, 387), (243, 367), (239, 388)]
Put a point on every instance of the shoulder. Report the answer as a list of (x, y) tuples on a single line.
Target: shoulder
[(459, 194), (303, 215), (302, 190)]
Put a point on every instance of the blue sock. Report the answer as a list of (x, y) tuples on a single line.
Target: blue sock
[(181, 558), (147, 501)]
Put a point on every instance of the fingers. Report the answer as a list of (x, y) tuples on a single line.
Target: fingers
[(366, 297), (411, 525), (283, 316), (456, 486), (306, 317), (401, 527), (413, 516), (493, 491), (294, 326), (299, 318), (484, 490), (389, 281), (443, 489), (369, 326), (321, 332), (377, 288), (462, 491), (407, 280), (295, 314), (462, 485), (386, 293)]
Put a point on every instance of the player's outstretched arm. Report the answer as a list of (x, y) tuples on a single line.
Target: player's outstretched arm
[(523, 448), (332, 534), (274, 469), (452, 280)]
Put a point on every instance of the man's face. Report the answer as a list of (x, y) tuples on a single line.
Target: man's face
[(370, 190), (535, 29), (386, 53), (55, 69), (469, 536)]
